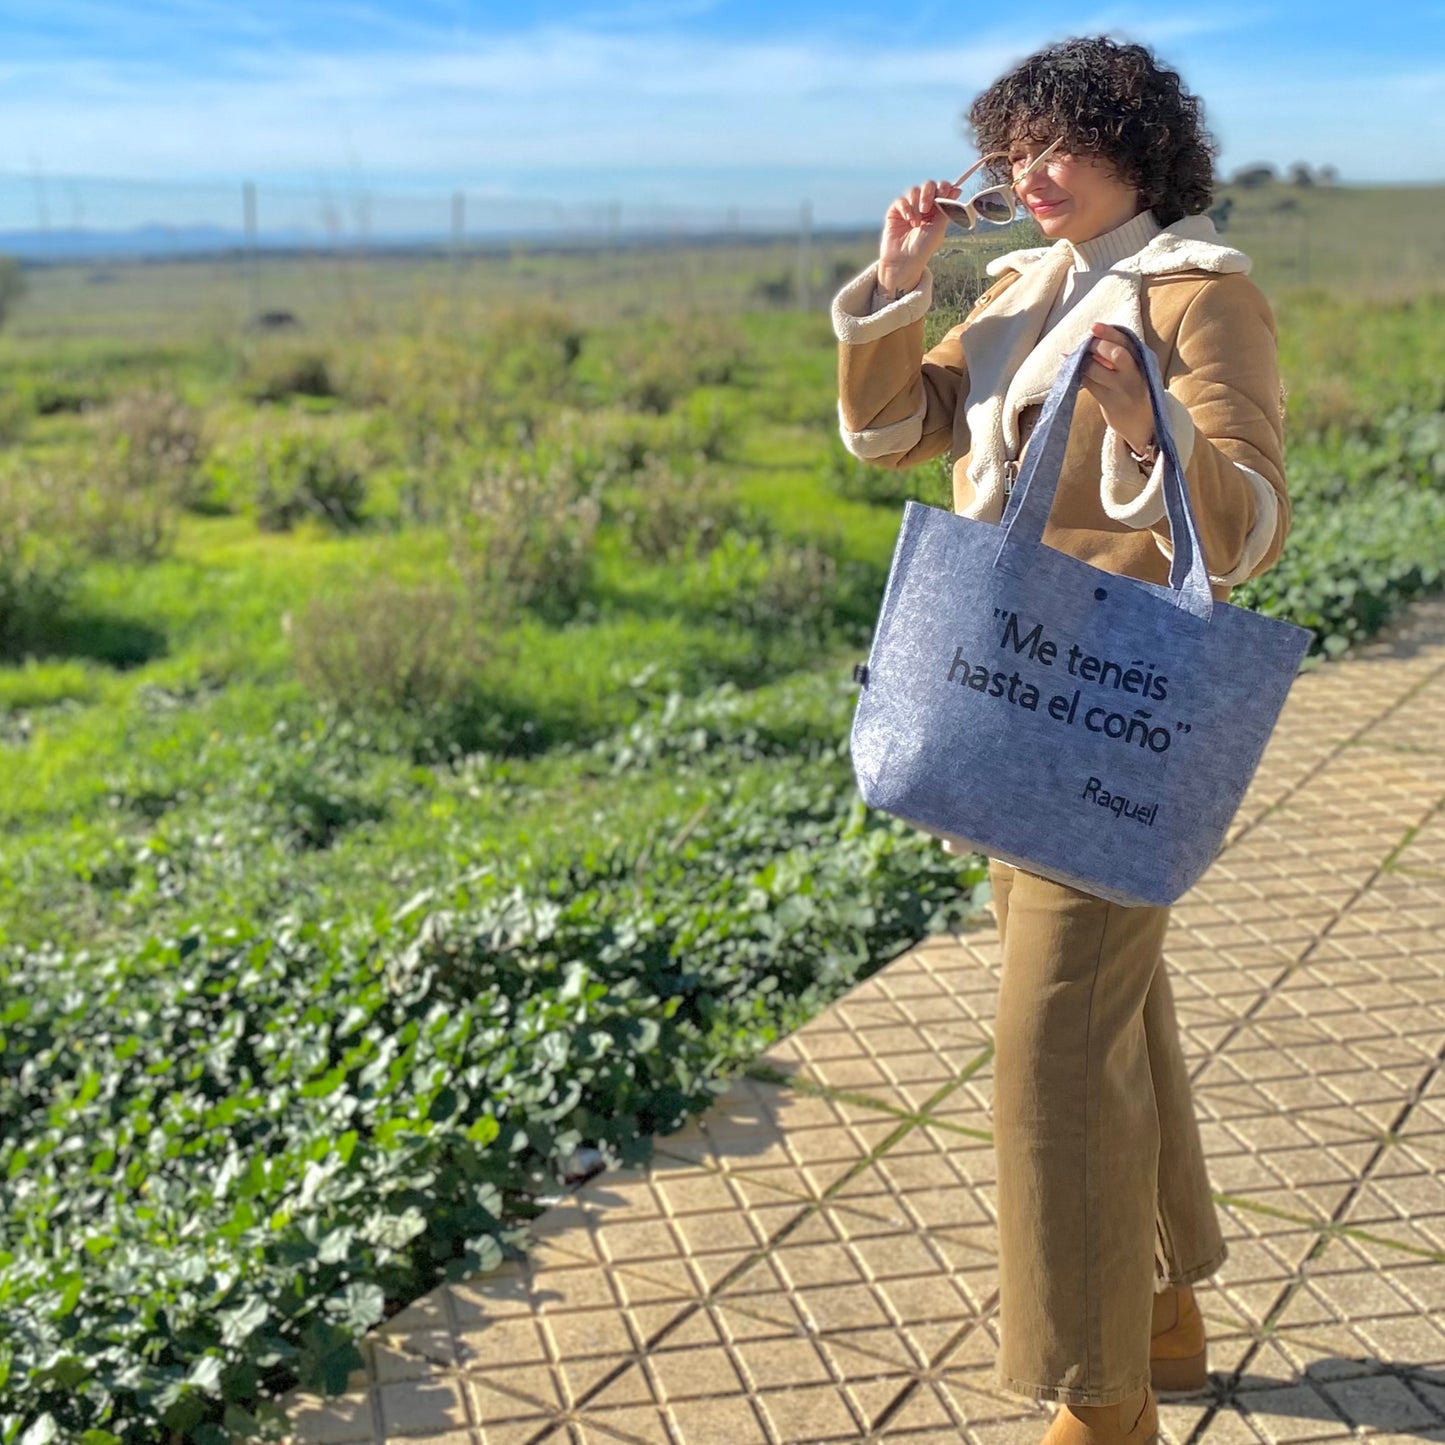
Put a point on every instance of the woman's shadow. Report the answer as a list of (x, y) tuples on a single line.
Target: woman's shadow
[(1362, 1392)]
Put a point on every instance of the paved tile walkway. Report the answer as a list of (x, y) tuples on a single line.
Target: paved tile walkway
[(814, 1260)]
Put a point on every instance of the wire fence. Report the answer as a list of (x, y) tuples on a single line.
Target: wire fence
[(52, 218), (107, 254), (132, 257)]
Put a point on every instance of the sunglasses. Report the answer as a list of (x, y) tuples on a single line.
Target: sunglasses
[(997, 204)]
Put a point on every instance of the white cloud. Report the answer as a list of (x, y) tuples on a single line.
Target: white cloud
[(643, 12), (1162, 30)]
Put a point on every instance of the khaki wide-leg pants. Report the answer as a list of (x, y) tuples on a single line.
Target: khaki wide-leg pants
[(1102, 1190)]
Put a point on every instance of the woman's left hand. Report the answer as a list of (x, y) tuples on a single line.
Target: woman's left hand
[(1113, 378)]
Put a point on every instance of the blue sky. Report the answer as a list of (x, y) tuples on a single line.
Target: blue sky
[(673, 103)]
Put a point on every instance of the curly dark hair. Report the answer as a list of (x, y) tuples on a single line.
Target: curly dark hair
[(1111, 99)]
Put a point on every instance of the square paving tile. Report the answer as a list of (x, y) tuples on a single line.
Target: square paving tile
[(1380, 1404), (899, 1036), (334, 1420), (777, 1144), (1287, 1413)]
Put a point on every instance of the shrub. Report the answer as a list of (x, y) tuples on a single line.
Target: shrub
[(101, 510), (279, 370), (154, 439), (60, 393), (846, 476), (712, 349), (960, 274), (651, 368), (611, 445), (668, 512), (121, 505), (796, 588), (119, 519), (766, 584), (1325, 406), (224, 480), (529, 353), (704, 428), (652, 382), (14, 417), (524, 536), (12, 286), (450, 394), (387, 646), (143, 470), (777, 289), (443, 386), (434, 392), (36, 581), (300, 474)]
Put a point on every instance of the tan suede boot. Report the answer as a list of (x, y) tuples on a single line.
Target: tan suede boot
[(1176, 1343), (1131, 1422)]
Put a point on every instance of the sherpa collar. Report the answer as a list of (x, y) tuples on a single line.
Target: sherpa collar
[(1190, 244)]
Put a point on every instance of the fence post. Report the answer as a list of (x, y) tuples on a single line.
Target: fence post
[(253, 279), (42, 206), (805, 255), (459, 240)]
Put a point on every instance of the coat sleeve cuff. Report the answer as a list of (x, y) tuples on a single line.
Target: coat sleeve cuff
[(884, 441), (1259, 539), (854, 321), (1128, 497), (1261, 534)]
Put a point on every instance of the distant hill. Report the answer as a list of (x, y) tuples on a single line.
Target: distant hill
[(146, 242), (1375, 238)]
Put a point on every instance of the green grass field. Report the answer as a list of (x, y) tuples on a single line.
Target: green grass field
[(423, 751)]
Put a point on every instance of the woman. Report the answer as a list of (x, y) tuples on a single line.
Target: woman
[(1105, 1211)]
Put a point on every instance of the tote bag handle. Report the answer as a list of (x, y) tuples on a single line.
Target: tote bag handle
[(1038, 479)]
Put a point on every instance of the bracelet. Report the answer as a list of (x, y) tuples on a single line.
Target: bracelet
[(1146, 458), (893, 292)]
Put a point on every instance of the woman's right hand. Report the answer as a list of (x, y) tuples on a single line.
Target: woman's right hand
[(913, 230)]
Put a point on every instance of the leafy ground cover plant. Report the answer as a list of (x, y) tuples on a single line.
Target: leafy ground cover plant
[(289, 1130), (1368, 530)]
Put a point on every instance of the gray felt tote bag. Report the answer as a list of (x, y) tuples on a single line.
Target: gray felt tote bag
[(1088, 727)]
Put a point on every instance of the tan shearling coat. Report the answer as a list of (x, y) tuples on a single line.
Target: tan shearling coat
[(977, 394)]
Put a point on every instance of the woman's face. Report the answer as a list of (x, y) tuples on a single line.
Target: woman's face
[(1073, 198)]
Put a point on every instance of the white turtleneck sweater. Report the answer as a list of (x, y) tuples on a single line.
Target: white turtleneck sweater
[(1093, 258)]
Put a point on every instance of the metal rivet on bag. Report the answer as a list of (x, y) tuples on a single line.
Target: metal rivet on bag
[(1099, 594)]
